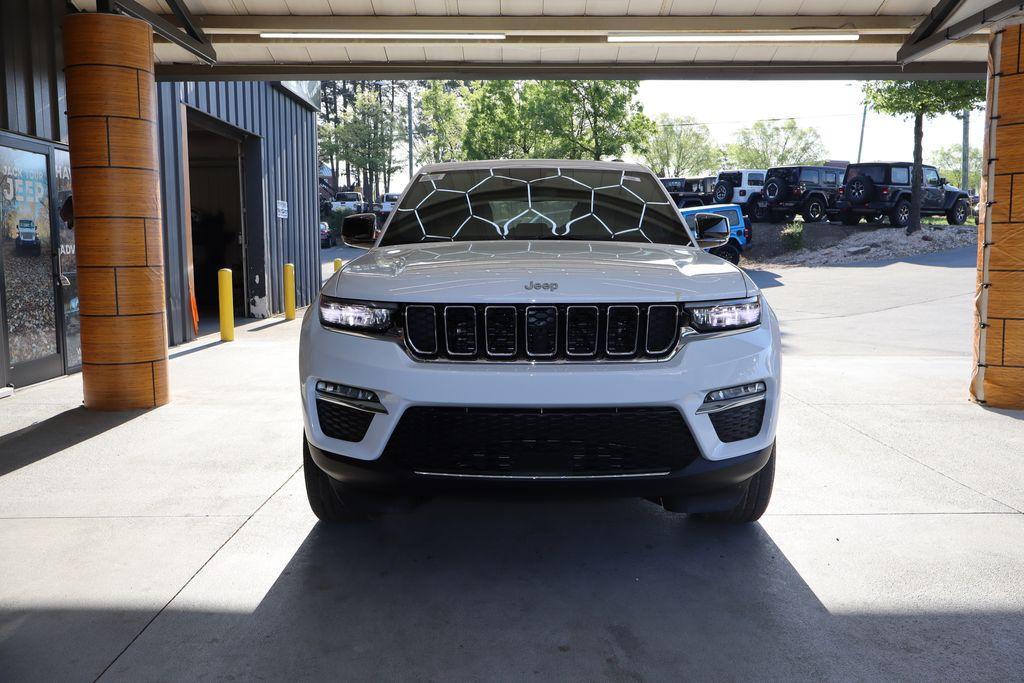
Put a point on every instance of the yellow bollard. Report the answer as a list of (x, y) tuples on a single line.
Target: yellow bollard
[(289, 291), (227, 305), (337, 265)]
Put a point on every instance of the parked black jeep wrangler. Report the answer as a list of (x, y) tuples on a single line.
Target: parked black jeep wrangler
[(806, 190), (883, 189), (687, 192)]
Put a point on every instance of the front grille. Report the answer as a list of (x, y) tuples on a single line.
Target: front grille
[(741, 422), (535, 332), (341, 422), (541, 441)]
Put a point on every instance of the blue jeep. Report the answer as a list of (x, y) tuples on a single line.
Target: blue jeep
[(740, 233)]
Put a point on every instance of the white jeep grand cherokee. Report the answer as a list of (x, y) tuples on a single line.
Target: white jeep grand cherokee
[(539, 326)]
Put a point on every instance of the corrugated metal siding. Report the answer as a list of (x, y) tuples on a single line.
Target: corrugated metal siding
[(287, 148), (32, 69)]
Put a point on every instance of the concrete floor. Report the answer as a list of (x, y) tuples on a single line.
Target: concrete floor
[(177, 543)]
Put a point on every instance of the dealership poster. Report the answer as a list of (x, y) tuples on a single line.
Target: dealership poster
[(29, 311), (67, 261)]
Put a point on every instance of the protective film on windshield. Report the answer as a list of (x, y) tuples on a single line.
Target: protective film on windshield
[(536, 204)]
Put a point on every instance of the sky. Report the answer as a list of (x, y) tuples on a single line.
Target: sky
[(835, 108)]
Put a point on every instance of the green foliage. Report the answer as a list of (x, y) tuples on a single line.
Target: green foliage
[(948, 160), (442, 124), (792, 236), (927, 98), (592, 119), (768, 143), (681, 147), (367, 134), (503, 121)]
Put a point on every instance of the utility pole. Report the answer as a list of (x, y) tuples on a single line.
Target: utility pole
[(863, 122), (965, 159), (408, 100)]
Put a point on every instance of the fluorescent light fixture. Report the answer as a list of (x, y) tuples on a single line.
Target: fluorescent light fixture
[(794, 37), (386, 36)]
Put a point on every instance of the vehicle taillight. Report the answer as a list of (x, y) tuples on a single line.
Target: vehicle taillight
[(883, 190), (799, 190), (842, 190), (743, 193), (748, 232)]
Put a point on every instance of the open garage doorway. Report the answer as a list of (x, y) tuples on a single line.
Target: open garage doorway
[(217, 171)]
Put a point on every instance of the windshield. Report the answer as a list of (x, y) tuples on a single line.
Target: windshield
[(348, 197), (536, 203)]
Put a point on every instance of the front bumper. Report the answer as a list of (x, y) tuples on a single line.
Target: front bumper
[(400, 382)]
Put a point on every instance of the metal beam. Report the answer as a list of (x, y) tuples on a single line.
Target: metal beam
[(192, 39), (961, 29), (485, 71), (220, 24), (934, 21)]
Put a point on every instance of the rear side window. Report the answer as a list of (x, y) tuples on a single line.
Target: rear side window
[(810, 175), (348, 197), (876, 173), (755, 179), (734, 177), (673, 184), (831, 178), (900, 175)]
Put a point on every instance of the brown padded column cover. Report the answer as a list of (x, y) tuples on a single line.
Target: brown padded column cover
[(111, 103)]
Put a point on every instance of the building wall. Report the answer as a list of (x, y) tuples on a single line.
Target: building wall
[(32, 69), (282, 133)]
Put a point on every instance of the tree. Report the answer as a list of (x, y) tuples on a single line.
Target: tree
[(948, 160), (592, 119), (442, 124), (769, 143), (504, 121), (681, 146), (366, 139), (921, 100)]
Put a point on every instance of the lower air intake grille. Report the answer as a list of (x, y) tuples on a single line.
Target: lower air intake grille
[(531, 441), (342, 422), (742, 422)]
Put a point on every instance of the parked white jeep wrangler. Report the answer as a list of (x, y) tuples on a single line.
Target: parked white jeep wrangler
[(539, 325), (743, 187)]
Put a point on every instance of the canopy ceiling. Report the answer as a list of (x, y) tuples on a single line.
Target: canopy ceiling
[(570, 38)]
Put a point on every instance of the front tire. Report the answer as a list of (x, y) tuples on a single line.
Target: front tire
[(728, 252), (754, 501), (958, 213), (327, 498)]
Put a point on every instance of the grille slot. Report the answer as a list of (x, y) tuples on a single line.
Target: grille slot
[(541, 331), (581, 330), (342, 422), (534, 332), (421, 329), (500, 333), (623, 330), (460, 330), (741, 422), (535, 441)]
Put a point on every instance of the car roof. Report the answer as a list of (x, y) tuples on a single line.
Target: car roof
[(710, 207), (535, 163)]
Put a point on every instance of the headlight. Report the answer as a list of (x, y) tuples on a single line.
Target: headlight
[(726, 315), (348, 315)]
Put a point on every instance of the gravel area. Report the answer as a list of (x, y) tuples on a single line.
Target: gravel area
[(873, 245)]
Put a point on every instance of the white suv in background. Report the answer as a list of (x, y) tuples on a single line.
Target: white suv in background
[(523, 326), (743, 187)]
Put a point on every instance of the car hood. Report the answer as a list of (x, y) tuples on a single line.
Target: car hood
[(490, 272)]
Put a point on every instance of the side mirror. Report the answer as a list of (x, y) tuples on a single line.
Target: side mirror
[(712, 230), (359, 230), (943, 181)]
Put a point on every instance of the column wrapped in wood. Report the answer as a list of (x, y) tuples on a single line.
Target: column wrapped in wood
[(115, 179)]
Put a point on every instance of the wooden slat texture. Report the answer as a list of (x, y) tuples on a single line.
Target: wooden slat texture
[(1013, 343), (140, 290), (994, 341), (122, 387), (97, 292), (1006, 294), (133, 143), (91, 41), (122, 192), (1004, 387), (1011, 91), (123, 339), (88, 135), (1000, 209), (103, 91), (111, 242), (115, 173), (1007, 250)]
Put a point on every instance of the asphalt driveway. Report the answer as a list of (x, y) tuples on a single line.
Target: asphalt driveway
[(177, 544)]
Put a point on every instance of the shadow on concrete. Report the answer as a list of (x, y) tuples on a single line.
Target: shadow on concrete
[(764, 278), (55, 434), (195, 349), (275, 323), (591, 590)]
